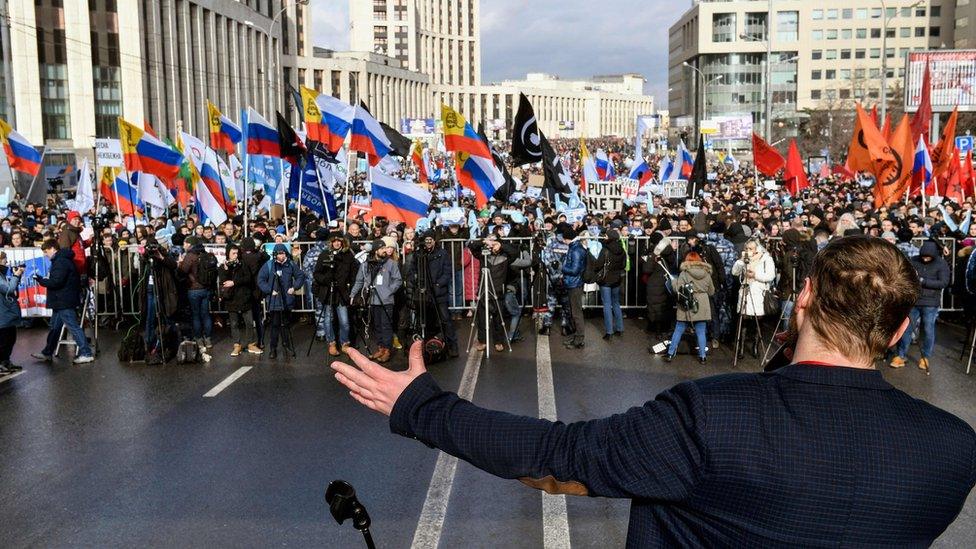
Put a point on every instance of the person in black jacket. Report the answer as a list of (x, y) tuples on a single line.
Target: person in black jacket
[(933, 276), (822, 451), (332, 280), (428, 283), (254, 258), (237, 292), (497, 256), (63, 297), (611, 266)]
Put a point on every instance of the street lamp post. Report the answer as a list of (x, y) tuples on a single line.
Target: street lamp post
[(705, 84), (272, 70), (885, 19)]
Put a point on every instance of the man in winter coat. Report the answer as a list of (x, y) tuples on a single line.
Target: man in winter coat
[(254, 258), (9, 313), (63, 297), (278, 280), (428, 276), (498, 256), (551, 271), (611, 267), (156, 279), (237, 293), (333, 276), (658, 268), (198, 294), (378, 281), (798, 252), (573, 266), (933, 276), (698, 273)]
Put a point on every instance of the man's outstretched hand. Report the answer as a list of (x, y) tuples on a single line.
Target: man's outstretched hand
[(373, 385)]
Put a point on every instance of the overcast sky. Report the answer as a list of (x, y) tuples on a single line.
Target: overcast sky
[(569, 38)]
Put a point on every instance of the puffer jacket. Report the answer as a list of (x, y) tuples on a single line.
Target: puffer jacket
[(574, 263), (699, 275), (614, 258), (9, 292), (752, 303), (933, 275), (269, 281)]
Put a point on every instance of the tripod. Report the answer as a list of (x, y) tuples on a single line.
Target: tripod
[(422, 299), (321, 315), (284, 329), (745, 298), (486, 295), (156, 309), (779, 318), (369, 292)]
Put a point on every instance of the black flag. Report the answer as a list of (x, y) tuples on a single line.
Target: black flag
[(292, 147), (556, 178), (698, 176), (505, 191), (526, 137), (399, 145)]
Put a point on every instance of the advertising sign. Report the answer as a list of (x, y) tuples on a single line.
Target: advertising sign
[(952, 75)]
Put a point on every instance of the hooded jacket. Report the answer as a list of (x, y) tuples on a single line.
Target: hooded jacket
[(574, 264), (276, 278), (384, 274), (932, 276), (62, 282), (9, 292), (699, 275), (332, 282)]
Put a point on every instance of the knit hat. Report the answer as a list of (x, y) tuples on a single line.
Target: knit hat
[(888, 234), (280, 249), (664, 224), (389, 241), (192, 240), (72, 215)]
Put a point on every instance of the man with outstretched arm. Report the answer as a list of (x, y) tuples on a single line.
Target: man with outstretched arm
[(822, 451)]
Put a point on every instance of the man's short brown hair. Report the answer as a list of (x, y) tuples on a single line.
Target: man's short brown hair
[(863, 289), (49, 243)]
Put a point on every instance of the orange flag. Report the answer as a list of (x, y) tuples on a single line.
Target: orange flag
[(896, 174), (886, 129), (868, 151), (945, 151)]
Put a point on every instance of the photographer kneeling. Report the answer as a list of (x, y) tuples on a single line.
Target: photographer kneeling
[(333, 277), (428, 275), (822, 451)]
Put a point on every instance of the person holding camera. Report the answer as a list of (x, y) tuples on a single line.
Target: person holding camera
[(428, 275), (10, 315), (694, 287), (279, 279), (552, 248), (377, 283), (157, 293), (63, 297), (333, 276), (497, 257), (237, 293), (756, 271)]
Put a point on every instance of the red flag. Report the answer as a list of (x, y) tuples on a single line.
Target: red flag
[(967, 177), (945, 151), (768, 161), (796, 175), (952, 188), (923, 116), (149, 129), (842, 171)]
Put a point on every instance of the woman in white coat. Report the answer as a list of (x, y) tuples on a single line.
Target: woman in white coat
[(757, 272)]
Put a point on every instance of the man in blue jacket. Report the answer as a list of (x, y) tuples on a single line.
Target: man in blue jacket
[(63, 297), (573, 266), (933, 277), (821, 452), (278, 280)]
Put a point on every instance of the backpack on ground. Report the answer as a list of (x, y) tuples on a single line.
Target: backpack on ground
[(132, 348), (189, 353), (207, 270)]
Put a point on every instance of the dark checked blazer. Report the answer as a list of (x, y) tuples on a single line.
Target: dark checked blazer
[(807, 455)]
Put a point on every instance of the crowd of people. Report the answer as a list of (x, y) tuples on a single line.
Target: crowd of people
[(725, 264)]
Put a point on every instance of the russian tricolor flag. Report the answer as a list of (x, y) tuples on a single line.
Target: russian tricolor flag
[(128, 194), (143, 152), (337, 119), (641, 172), (398, 200), (262, 137), (210, 176), (666, 171), (685, 161), (604, 166), (224, 134), (368, 136), (209, 197), (922, 168), (480, 175), (591, 172), (21, 155)]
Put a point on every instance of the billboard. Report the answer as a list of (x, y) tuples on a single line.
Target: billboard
[(733, 126), (953, 79), (417, 126), (567, 125)]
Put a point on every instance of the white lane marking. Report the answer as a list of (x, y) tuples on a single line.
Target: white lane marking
[(431, 522), (226, 383), (555, 518)]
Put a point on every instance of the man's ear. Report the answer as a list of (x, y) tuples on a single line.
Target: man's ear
[(899, 332), (803, 301)]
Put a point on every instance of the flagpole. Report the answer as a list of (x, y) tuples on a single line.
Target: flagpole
[(33, 181), (345, 213), (325, 203), (301, 187)]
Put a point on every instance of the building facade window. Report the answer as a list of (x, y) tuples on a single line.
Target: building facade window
[(723, 27), (52, 53), (787, 26)]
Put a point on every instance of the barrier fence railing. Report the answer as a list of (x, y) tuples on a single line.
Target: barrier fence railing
[(118, 290)]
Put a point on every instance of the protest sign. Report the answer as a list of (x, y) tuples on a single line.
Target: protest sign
[(604, 197), (108, 153), (628, 188), (675, 189), (32, 297), (574, 214)]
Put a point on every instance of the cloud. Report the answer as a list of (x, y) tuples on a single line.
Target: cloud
[(568, 38)]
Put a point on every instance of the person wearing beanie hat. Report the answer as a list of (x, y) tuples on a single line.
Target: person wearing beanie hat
[(664, 225), (278, 280), (333, 275), (70, 238), (377, 282)]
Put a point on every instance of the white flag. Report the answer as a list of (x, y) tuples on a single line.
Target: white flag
[(152, 192), (237, 172), (227, 179), (84, 193)]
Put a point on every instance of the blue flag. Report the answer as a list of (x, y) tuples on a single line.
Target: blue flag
[(316, 192)]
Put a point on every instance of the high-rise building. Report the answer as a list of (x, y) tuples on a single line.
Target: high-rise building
[(440, 38), (824, 54)]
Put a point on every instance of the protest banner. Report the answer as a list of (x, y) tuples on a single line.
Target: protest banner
[(604, 197), (32, 297), (628, 188)]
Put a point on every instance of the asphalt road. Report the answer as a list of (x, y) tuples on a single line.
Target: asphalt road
[(113, 455)]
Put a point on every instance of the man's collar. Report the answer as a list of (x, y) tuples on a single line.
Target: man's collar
[(835, 375)]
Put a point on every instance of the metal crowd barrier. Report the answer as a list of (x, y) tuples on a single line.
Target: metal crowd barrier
[(118, 295)]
